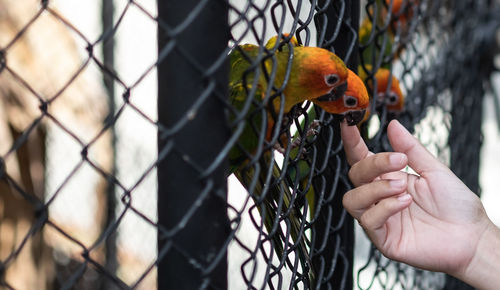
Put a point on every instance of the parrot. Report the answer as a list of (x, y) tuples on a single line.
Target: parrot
[(355, 100), (375, 46), (352, 105), (379, 46), (388, 95), (314, 73), (401, 13), (388, 91)]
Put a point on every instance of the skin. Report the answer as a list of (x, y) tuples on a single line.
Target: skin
[(430, 220)]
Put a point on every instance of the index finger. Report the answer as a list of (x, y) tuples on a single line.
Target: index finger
[(372, 167), (354, 146)]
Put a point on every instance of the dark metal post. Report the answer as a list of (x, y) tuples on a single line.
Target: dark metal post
[(108, 49), (192, 209), (337, 255)]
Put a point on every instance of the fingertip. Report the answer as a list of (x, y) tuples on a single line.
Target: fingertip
[(404, 198), (374, 218), (398, 159), (354, 146), (394, 122), (417, 155), (396, 125), (348, 133), (396, 129), (398, 184)]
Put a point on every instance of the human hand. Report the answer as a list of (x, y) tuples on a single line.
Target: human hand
[(430, 220)]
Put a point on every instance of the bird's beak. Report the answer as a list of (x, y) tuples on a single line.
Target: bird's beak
[(354, 117), (339, 91), (335, 94)]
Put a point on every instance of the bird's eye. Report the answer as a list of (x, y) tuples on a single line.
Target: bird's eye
[(392, 99), (332, 79), (350, 101)]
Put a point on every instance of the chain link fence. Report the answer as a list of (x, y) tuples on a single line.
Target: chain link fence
[(219, 182)]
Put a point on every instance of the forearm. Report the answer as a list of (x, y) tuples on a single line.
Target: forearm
[(483, 270)]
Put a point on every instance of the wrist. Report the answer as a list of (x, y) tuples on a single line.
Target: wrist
[(482, 270)]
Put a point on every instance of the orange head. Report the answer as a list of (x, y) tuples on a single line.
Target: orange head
[(391, 97), (405, 7), (353, 103), (402, 11), (315, 73)]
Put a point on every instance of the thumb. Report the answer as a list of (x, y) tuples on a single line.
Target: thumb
[(402, 141)]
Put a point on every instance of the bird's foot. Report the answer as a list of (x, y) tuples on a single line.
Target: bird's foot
[(313, 126)]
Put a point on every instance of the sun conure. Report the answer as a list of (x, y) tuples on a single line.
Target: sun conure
[(297, 74), (375, 45), (355, 100), (378, 46), (388, 94), (314, 73), (401, 13), (352, 105)]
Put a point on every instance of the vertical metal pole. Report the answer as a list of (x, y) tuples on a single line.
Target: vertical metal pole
[(342, 277), (108, 50), (193, 226)]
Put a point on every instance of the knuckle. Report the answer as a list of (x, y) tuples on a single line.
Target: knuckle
[(387, 204), (352, 173), (345, 199), (381, 161), (349, 200), (364, 221), (384, 188)]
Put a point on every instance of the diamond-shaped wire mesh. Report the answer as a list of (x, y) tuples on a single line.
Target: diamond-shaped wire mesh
[(223, 180)]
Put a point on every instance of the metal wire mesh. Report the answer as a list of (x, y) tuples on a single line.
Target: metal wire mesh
[(104, 186)]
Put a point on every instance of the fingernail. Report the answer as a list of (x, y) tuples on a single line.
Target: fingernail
[(397, 123), (396, 183), (404, 198), (401, 127), (396, 158)]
